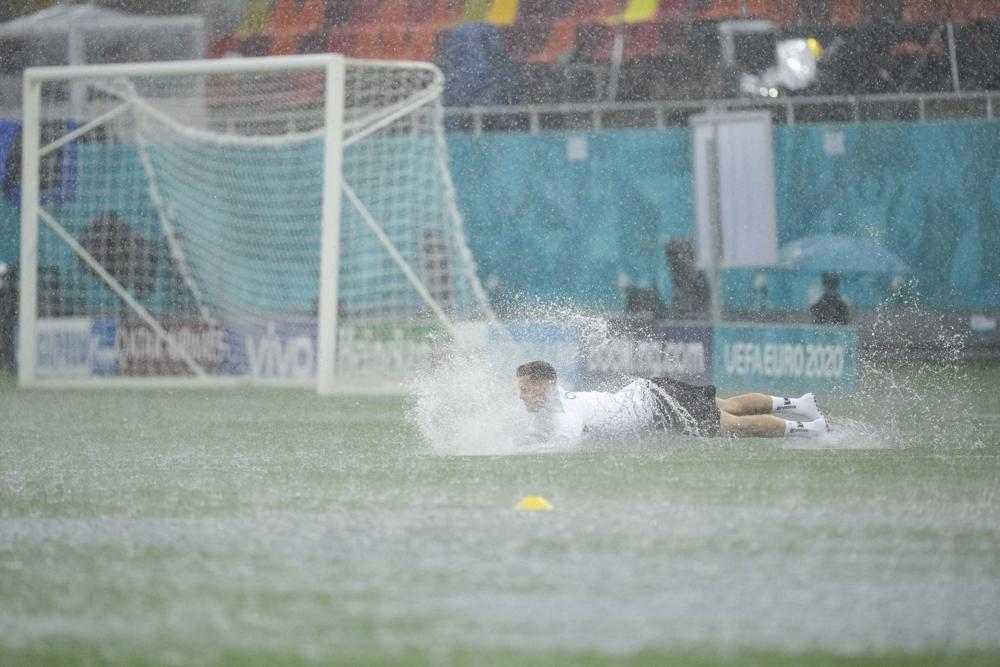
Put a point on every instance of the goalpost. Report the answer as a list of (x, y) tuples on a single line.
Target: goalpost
[(285, 220)]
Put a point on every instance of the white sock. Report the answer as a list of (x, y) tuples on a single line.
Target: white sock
[(810, 429), (803, 406)]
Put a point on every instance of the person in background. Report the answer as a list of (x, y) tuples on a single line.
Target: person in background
[(691, 294), (831, 307)]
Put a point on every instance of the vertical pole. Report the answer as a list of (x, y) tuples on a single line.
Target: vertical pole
[(952, 56), (28, 306), (715, 218), (326, 358), (615, 67)]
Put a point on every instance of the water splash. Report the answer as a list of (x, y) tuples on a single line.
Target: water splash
[(468, 403)]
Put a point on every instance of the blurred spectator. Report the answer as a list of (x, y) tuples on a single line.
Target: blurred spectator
[(129, 258), (644, 302), (831, 308), (690, 285), (8, 315)]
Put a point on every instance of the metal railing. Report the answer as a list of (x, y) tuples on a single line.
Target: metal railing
[(919, 107)]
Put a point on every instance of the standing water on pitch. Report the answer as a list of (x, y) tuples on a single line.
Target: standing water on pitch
[(468, 403)]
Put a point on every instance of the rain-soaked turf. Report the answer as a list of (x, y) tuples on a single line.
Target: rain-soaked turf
[(270, 528)]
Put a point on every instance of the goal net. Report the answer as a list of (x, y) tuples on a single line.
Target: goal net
[(280, 220)]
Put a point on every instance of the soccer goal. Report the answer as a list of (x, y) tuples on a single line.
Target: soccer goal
[(266, 220)]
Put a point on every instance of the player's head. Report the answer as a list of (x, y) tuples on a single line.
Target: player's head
[(536, 380), (830, 281)]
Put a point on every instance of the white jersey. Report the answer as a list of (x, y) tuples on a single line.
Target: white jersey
[(568, 415)]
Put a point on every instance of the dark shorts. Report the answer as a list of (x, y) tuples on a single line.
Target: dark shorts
[(698, 402)]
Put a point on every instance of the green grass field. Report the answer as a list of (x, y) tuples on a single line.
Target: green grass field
[(271, 528)]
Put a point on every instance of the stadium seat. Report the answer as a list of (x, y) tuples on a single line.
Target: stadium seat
[(339, 39), (312, 16), (255, 45), (395, 42), (282, 27), (846, 12), (673, 10), (561, 39), (422, 43), (975, 10), (311, 42), (365, 13), (638, 11), (594, 10), (474, 11), (254, 19), (526, 37), (339, 12), (502, 12), (393, 12), (642, 40), (227, 44), (435, 12), (924, 11), (721, 10), (367, 43)]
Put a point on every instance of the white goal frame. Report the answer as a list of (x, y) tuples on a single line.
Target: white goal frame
[(333, 68)]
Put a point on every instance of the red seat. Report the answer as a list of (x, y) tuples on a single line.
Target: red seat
[(312, 16), (673, 10), (643, 40), (437, 12), (561, 39), (224, 45), (339, 39), (365, 13), (846, 12), (393, 12), (422, 45), (395, 42), (367, 43), (975, 10), (593, 10)]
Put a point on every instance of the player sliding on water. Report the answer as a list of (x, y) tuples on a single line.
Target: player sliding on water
[(659, 403)]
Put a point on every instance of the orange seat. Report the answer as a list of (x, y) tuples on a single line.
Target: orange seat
[(643, 40), (437, 12), (561, 39), (367, 43), (395, 42), (339, 39), (393, 12), (365, 13), (312, 16), (282, 29), (422, 45)]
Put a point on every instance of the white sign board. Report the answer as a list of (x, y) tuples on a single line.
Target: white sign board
[(735, 210)]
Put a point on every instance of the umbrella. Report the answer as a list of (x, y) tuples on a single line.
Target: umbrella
[(842, 254)]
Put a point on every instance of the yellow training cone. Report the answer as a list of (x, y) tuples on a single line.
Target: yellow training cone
[(534, 503)]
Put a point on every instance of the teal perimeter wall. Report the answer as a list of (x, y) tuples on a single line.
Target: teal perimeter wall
[(551, 227), (548, 227)]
